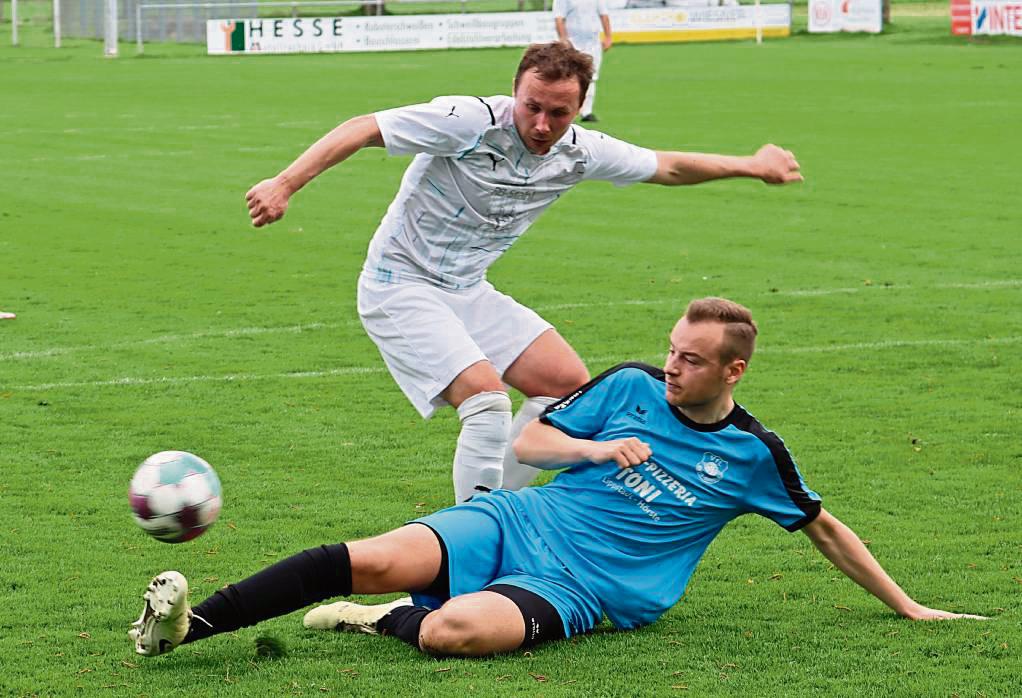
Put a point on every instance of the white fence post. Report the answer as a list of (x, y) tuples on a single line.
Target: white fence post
[(110, 24), (14, 22), (138, 26), (56, 23)]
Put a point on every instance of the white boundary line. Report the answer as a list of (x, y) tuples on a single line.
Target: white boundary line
[(599, 360), (242, 331), (172, 339)]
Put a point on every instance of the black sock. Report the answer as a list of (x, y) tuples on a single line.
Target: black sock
[(310, 576), (404, 623)]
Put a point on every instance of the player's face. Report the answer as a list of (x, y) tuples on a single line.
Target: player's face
[(696, 378), (544, 110)]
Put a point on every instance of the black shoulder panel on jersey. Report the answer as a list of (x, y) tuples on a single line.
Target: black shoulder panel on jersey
[(493, 119), (655, 372), (785, 468)]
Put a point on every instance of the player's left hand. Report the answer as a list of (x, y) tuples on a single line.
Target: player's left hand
[(924, 613), (607, 43), (775, 165)]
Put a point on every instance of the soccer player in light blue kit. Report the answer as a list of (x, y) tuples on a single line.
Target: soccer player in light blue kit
[(656, 463)]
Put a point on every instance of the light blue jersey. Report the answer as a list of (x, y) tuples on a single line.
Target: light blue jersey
[(624, 542), (635, 535)]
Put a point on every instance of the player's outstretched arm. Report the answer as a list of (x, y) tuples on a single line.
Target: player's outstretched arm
[(771, 164), (840, 545), (268, 200), (543, 446)]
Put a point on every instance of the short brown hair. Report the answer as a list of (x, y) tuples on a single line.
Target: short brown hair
[(739, 328), (555, 61)]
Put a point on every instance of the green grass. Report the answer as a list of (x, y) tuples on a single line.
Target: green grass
[(151, 316)]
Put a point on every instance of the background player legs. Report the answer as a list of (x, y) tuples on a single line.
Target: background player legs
[(587, 103), (485, 411), (586, 112), (545, 372)]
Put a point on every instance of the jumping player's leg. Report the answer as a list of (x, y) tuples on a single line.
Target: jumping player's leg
[(406, 559), (422, 334), (546, 371), (484, 408)]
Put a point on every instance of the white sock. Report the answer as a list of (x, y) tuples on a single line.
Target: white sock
[(587, 103), (518, 475), (478, 459)]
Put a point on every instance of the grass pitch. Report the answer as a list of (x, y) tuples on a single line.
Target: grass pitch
[(151, 316)]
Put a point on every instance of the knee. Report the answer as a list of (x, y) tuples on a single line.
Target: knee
[(449, 632)]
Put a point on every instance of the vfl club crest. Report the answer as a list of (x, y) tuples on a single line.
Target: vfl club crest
[(711, 468)]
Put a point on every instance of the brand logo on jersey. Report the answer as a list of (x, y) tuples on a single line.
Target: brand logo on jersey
[(639, 414), (456, 116), (567, 401), (580, 167), (711, 468)]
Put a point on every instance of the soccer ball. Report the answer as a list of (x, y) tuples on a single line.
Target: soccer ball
[(175, 496)]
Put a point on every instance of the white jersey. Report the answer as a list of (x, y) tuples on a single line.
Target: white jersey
[(473, 187), (582, 22)]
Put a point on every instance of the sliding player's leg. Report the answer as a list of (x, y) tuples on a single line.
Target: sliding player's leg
[(501, 618), (406, 559), (503, 589)]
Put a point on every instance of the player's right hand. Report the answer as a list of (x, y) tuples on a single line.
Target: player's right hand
[(625, 452), (267, 201)]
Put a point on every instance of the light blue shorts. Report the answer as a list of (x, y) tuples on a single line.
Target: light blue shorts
[(489, 540)]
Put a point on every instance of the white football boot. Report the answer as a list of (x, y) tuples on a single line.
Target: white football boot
[(165, 619), (351, 617)]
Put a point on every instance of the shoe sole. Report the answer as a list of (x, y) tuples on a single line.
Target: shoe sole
[(162, 596)]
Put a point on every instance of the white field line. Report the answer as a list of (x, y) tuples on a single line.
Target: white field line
[(978, 285), (83, 130), (241, 331), (173, 339), (596, 361)]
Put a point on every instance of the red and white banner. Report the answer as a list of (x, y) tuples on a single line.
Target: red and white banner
[(988, 17)]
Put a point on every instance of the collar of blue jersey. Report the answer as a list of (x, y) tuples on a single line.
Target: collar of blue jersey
[(733, 416)]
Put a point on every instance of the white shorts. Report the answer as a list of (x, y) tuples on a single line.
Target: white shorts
[(428, 335)]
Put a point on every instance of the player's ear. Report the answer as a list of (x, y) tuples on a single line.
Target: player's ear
[(735, 370)]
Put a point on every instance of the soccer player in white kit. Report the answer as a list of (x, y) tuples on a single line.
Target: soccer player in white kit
[(484, 170), (579, 23)]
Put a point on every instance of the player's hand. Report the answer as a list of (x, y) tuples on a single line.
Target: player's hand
[(625, 452), (607, 43), (923, 613), (267, 201), (775, 165)]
